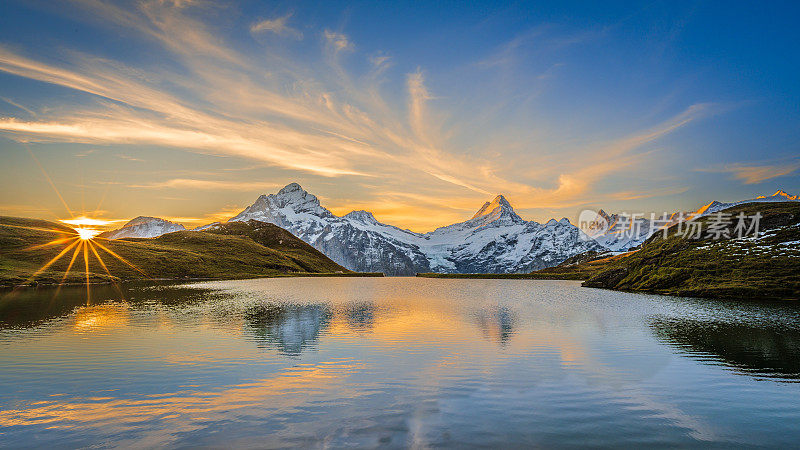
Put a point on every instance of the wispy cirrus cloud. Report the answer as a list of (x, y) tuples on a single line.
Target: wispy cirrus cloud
[(637, 195), (277, 25), (291, 115), (758, 172), (215, 185), (19, 106), (337, 41), (221, 215)]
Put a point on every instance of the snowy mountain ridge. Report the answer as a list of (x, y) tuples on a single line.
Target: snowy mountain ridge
[(715, 206), (143, 227), (495, 239)]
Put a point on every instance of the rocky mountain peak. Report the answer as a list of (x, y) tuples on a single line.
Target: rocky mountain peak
[(291, 187), (498, 206), (362, 216), (294, 194), (784, 194), (498, 211)]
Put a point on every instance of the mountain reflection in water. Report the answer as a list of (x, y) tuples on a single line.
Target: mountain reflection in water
[(290, 328), (764, 350), (399, 362), (496, 324)]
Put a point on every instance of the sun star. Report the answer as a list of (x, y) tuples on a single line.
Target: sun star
[(87, 233)]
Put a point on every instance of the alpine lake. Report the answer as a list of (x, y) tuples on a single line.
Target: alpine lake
[(393, 362)]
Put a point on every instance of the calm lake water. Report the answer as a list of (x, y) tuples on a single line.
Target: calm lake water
[(397, 362)]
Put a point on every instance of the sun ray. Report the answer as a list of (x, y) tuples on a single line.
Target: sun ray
[(53, 260), (71, 262), (86, 270), (46, 265), (69, 267), (49, 180), (97, 255), (50, 244), (112, 253), (49, 230), (103, 264)]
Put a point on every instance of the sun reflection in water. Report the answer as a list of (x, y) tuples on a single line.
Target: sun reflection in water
[(102, 317)]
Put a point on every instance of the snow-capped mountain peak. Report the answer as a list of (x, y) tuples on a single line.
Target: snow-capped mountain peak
[(715, 206), (362, 216), (781, 195), (291, 187), (144, 227), (498, 209), (488, 207), (297, 198), (495, 239), (291, 200)]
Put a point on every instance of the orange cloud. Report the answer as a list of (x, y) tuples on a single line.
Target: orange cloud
[(755, 173)]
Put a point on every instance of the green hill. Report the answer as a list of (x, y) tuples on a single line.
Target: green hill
[(763, 268), (238, 250)]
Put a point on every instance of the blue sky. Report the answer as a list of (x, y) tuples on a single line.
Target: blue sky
[(418, 112)]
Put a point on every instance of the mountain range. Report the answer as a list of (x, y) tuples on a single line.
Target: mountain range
[(494, 240)]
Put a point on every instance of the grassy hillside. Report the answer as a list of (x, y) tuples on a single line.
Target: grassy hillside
[(242, 250), (764, 268)]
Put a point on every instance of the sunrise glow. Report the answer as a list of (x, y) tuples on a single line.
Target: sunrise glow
[(87, 233), (83, 220)]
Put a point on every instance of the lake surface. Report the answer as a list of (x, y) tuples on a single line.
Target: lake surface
[(396, 362)]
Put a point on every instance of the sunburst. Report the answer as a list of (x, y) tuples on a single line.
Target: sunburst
[(79, 242), (81, 239)]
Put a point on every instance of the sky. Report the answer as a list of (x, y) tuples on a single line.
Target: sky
[(419, 112)]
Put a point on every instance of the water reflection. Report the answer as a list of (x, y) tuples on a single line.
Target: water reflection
[(764, 350), (397, 362), (495, 323), (28, 308), (360, 316), (288, 328), (93, 319)]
